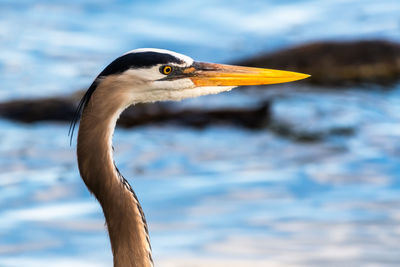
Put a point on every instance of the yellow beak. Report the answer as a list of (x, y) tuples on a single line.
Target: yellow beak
[(210, 74)]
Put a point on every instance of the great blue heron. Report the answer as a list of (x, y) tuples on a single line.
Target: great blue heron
[(143, 75)]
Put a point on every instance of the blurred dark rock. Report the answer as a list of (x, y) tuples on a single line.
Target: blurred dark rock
[(46, 109), (297, 134), (62, 109), (337, 63), (252, 117)]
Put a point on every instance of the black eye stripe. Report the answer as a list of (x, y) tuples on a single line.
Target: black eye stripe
[(139, 60)]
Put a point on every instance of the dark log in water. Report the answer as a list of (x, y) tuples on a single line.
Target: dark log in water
[(255, 117), (62, 109), (337, 63), (45, 109)]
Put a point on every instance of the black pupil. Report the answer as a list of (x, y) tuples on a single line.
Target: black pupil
[(167, 69)]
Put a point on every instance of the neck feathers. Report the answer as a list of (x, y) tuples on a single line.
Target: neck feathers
[(124, 216)]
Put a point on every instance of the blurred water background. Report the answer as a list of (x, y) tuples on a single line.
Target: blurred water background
[(220, 196)]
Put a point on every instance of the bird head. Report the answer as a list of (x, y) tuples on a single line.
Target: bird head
[(148, 75)]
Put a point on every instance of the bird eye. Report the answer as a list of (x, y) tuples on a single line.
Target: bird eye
[(167, 69)]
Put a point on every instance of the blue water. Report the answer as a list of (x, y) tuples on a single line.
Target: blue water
[(219, 196), (53, 47)]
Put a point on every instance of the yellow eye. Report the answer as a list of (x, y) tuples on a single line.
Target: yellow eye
[(167, 69)]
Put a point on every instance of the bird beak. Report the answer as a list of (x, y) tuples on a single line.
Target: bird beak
[(210, 74)]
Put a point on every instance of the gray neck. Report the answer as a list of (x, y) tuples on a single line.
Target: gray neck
[(125, 220)]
